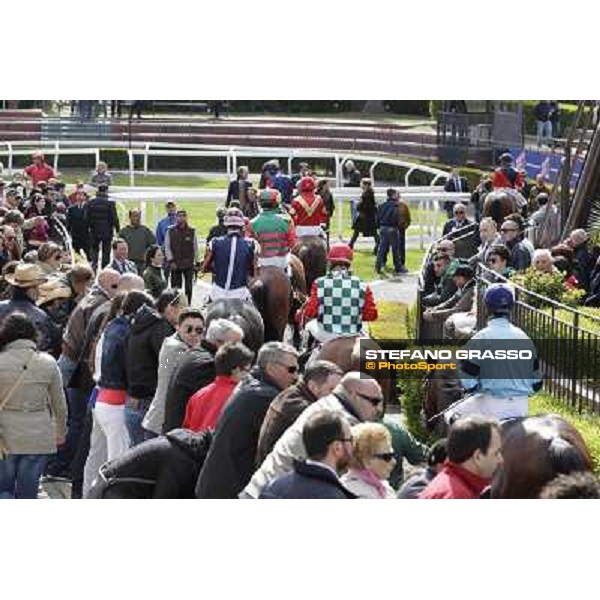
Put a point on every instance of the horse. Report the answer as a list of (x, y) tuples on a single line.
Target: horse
[(535, 449), (348, 354), (501, 203), (312, 251), (243, 314)]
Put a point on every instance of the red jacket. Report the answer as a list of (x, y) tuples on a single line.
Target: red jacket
[(40, 173), (500, 180), (308, 209), (310, 310), (454, 482), (205, 406)]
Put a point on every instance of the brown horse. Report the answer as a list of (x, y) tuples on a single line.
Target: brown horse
[(535, 451), (271, 292), (498, 205), (243, 314), (312, 251), (346, 353)]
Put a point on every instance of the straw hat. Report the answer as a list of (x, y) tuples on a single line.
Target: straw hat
[(26, 275), (53, 290)]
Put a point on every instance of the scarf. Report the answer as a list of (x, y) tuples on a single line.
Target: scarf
[(370, 478)]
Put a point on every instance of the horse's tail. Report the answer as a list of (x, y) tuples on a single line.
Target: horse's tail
[(566, 457)]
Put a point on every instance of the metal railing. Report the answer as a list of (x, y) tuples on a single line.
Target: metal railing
[(567, 341)]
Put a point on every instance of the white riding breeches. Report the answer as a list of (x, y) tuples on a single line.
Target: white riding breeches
[(218, 293), (490, 406)]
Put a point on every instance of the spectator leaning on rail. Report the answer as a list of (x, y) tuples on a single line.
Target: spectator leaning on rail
[(459, 221), (498, 260), (578, 240), (231, 459), (522, 225), (460, 301), (328, 441), (357, 398), (181, 251), (498, 388), (538, 218), (489, 236), (520, 258), (444, 287), (339, 302), (232, 259), (391, 229), (474, 454), (139, 238)]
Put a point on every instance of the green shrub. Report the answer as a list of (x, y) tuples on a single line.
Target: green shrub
[(549, 285)]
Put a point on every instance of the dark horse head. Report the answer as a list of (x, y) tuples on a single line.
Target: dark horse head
[(243, 314), (536, 450)]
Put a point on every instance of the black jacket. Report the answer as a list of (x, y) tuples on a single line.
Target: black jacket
[(77, 224), (102, 218), (148, 331), (416, 483), (452, 224), (231, 460), (196, 370), (164, 467), (307, 481)]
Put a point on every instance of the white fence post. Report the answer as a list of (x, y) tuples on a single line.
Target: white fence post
[(131, 168), (146, 149), (55, 163)]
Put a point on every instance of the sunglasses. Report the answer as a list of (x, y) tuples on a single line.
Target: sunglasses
[(290, 369), (459, 212), (350, 440), (190, 328), (374, 401), (505, 230), (387, 456)]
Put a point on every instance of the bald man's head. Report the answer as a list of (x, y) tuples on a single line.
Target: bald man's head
[(130, 282), (108, 280), (364, 393)]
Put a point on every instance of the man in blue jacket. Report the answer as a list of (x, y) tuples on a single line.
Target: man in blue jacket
[(328, 441), (388, 217)]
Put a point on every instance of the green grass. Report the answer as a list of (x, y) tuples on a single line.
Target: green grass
[(364, 263), (70, 176), (587, 424), (391, 321)]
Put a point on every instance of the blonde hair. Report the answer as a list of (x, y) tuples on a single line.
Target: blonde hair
[(101, 164), (365, 439)]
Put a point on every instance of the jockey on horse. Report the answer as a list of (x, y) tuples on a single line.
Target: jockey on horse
[(339, 302), (308, 210), (274, 231), (232, 259), (507, 196), (499, 388), (506, 176)]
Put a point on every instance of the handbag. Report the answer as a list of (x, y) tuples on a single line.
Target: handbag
[(8, 396)]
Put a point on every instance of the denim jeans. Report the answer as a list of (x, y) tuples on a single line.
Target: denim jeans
[(20, 475), (77, 405), (135, 411), (389, 237), (544, 132)]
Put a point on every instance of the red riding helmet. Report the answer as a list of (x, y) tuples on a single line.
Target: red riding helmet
[(306, 184), (340, 253)]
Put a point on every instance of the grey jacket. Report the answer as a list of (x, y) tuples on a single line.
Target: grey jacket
[(171, 353), (290, 446), (37, 410)]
